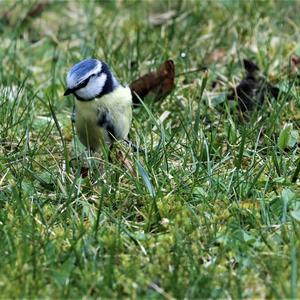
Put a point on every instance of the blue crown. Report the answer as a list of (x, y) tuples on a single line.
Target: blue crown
[(82, 70), (83, 67)]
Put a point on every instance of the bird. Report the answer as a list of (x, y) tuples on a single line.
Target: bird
[(103, 107)]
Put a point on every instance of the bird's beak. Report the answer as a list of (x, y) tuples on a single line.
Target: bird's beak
[(68, 92)]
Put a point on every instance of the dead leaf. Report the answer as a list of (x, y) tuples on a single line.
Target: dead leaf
[(35, 11), (295, 63), (250, 67), (84, 172), (253, 88), (160, 83), (217, 55), (162, 18)]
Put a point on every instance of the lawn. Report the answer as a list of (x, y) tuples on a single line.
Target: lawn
[(211, 209)]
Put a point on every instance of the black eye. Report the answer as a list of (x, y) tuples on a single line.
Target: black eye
[(96, 75)]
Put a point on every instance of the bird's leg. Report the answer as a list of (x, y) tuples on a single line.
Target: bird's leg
[(134, 147), (111, 146), (73, 117)]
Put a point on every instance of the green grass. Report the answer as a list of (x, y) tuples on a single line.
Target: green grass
[(212, 211)]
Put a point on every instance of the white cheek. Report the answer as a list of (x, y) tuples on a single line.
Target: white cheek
[(93, 88)]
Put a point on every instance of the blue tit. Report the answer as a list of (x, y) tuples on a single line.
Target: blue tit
[(103, 107)]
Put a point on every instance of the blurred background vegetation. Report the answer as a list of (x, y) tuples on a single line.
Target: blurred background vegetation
[(213, 211)]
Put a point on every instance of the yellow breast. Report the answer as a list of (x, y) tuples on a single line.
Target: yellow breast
[(117, 104)]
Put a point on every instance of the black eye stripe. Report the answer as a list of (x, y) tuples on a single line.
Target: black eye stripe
[(108, 86), (95, 75), (85, 82), (81, 85)]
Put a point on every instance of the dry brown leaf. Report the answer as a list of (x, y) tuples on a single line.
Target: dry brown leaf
[(217, 55), (159, 83), (84, 172), (252, 89), (36, 10), (295, 63)]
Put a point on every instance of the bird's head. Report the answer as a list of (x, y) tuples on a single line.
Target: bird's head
[(89, 79)]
